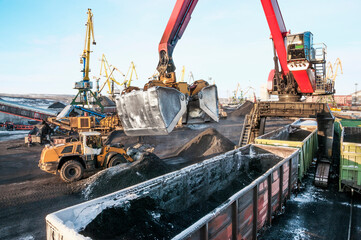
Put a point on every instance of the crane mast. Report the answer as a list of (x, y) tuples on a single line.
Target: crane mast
[(131, 70), (89, 35)]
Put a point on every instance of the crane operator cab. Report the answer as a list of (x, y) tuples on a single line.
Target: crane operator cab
[(300, 51), (302, 54)]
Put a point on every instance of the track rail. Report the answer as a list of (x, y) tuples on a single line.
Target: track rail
[(349, 233)]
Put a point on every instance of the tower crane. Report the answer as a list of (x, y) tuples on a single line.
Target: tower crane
[(84, 87)]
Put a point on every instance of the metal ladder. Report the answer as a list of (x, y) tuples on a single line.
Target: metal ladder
[(319, 64), (249, 126), (245, 134)]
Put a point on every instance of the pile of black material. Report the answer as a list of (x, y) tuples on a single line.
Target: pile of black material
[(207, 143), (118, 177), (144, 219), (243, 110)]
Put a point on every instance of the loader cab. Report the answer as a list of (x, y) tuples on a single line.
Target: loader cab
[(92, 143), (300, 47)]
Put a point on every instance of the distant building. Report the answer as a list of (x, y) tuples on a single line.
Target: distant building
[(341, 100), (356, 98)]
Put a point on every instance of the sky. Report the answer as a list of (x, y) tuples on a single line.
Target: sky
[(228, 41)]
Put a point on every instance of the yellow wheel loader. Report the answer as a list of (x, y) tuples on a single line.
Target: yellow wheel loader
[(72, 159)]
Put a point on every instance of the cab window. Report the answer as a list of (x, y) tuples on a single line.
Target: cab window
[(94, 142)]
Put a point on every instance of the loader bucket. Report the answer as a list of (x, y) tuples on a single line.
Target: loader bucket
[(152, 112), (203, 107)]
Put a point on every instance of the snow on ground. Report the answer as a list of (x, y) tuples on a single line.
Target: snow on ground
[(311, 194), (198, 126), (33, 102), (11, 135), (28, 237)]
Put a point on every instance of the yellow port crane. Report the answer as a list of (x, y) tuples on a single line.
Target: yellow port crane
[(129, 78), (234, 98), (85, 94), (182, 74), (331, 75), (89, 35), (191, 77), (332, 70), (131, 70), (107, 71)]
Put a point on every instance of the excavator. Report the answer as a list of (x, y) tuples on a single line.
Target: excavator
[(302, 63), (163, 102), (299, 70)]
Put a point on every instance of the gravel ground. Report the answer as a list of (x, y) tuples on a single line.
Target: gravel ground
[(28, 194)]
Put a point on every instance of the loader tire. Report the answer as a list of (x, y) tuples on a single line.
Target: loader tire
[(71, 171), (116, 160)]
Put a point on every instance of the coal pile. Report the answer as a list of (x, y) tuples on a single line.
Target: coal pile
[(352, 134), (206, 144), (243, 110), (353, 138), (57, 105), (144, 219), (293, 135), (119, 177)]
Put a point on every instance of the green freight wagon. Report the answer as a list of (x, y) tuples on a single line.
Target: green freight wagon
[(350, 155), (301, 134)]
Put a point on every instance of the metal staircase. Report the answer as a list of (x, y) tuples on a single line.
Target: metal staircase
[(250, 128), (319, 64), (243, 140)]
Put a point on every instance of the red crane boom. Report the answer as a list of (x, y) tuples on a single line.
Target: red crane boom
[(278, 30), (174, 30)]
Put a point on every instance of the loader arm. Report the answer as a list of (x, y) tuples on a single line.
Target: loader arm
[(174, 30)]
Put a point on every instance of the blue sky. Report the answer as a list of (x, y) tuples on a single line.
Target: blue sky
[(41, 41)]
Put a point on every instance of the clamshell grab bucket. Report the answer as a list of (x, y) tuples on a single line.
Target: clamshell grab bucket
[(203, 107), (208, 101), (152, 112)]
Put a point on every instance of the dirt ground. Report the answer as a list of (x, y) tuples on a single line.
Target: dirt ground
[(28, 194)]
